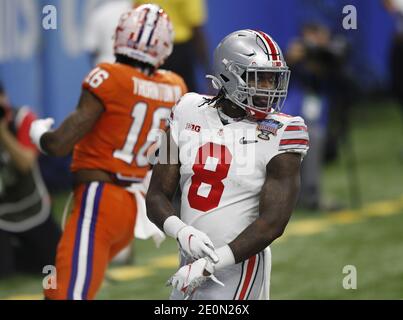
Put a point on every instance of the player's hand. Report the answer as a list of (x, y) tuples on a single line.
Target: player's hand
[(38, 128), (191, 276), (196, 244)]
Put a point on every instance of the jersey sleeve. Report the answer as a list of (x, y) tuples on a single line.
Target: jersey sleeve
[(295, 137), (173, 121), (100, 82), (178, 114)]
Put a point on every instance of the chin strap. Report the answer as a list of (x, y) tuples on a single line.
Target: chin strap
[(256, 114)]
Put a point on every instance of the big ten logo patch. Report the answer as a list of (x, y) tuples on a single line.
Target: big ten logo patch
[(192, 127)]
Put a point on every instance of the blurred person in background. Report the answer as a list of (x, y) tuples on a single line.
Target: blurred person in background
[(317, 89), (121, 108), (28, 233), (190, 44), (100, 28), (395, 8)]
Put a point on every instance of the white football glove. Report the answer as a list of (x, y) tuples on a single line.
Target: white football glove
[(38, 128), (189, 277), (196, 244)]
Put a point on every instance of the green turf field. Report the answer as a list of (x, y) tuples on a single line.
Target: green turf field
[(308, 260)]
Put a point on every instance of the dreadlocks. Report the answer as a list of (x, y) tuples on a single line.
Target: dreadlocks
[(220, 96)]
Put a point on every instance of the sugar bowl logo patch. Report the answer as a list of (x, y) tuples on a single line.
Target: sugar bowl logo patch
[(267, 127)]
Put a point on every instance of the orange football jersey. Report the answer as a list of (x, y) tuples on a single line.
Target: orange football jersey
[(135, 104)]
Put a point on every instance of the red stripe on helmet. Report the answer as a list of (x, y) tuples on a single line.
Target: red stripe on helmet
[(273, 48)]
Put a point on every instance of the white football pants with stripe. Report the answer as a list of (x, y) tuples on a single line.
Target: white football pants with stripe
[(247, 280)]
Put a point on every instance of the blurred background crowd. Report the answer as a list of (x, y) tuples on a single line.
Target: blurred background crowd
[(341, 79)]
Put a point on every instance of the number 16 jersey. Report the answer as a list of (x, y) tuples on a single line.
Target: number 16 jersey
[(223, 167), (135, 104)]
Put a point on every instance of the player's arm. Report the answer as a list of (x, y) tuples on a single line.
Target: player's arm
[(277, 201), (61, 141), (163, 185), (164, 182)]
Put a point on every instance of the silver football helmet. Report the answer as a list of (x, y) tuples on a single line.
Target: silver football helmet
[(249, 66)]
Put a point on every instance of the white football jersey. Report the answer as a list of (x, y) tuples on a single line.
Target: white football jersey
[(223, 167)]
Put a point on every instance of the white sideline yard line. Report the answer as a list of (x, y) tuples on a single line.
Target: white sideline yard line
[(303, 227)]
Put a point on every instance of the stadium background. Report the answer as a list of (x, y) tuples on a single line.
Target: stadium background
[(44, 69)]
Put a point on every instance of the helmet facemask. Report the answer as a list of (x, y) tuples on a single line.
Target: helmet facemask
[(252, 71), (260, 90)]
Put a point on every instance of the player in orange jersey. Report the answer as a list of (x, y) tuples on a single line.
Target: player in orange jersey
[(111, 131)]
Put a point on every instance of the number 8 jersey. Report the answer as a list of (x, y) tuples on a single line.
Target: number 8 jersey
[(223, 167), (134, 105)]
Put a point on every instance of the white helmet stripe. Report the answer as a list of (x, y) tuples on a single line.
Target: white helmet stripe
[(143, 17), (263, 40), (148, 27), (270, 45), (153, 29)]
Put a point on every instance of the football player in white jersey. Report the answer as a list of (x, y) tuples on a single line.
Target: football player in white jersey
[(237, 160)]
